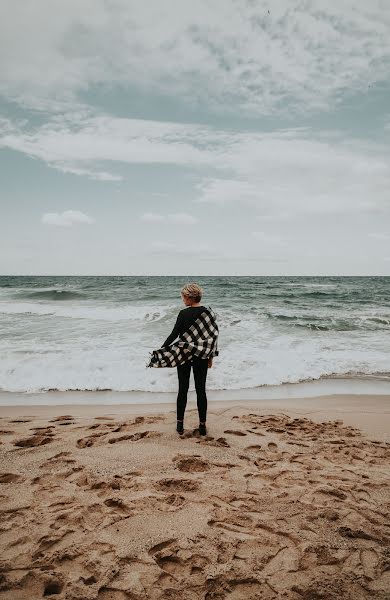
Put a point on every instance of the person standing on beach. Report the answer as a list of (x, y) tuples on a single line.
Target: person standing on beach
[(191, 295)]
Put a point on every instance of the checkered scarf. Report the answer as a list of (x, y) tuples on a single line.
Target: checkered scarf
[(200, 339)]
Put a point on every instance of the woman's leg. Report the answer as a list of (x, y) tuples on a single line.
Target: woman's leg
[(183, 373), (200, 367)]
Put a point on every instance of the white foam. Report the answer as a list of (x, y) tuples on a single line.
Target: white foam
[(248, 358), (91, 312), (80, 345)]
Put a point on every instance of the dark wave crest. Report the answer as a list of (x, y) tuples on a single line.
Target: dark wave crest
[(332, 324), (317, 294), (51, 295)]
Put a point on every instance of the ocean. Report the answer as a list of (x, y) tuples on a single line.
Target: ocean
[(95, 333)]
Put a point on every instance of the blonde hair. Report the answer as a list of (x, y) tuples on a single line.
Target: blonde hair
[(193, 291)]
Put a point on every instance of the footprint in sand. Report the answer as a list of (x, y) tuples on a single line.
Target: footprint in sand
[(35, 440), (222, 442), (276, 430), (117, 504), (10, 478), (105, 426), (39, 584), (182, 485), (62, 458), (235, 432), (191, 464), (272, 446), (113, 484), (330, 491), (164, 555), (254, 432), (160, 546), (129, 425), (210, 441), (134, 437), (62, 418), (41, 430), (172, 502), (60, 455), (238, 528), (245, 457), (347, 532), (53, 587), (176, 561), (170, 563), (102, 486), (89, 441), (48, 542)]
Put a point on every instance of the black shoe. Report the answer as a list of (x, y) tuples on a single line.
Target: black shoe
[(179, 427), (202, 429)]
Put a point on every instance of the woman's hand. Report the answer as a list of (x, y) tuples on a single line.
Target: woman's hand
[(210, 363)]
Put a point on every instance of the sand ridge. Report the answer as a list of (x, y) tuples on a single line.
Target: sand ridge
[(266, 506)]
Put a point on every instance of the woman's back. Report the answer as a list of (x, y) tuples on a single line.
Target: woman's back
[(185, 318)]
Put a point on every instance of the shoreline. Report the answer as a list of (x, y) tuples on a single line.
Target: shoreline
[(356, 385), (370, 413)]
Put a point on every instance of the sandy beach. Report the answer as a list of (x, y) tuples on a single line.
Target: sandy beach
[(286, 498), (194, 221)]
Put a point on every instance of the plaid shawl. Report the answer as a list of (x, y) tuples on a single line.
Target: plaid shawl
[(200, 339)]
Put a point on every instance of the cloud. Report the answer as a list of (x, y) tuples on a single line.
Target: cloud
[(200, 250), (81, 143), (66, 218), (288, 171), (235, 58), (182, 219), (223, 191), (88, 172), (264, 57), (379, 236), (282, 216), (152, 218), (175, 218), (163, 246), (262, 236)]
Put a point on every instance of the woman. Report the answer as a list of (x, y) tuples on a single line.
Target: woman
[(198, 332)]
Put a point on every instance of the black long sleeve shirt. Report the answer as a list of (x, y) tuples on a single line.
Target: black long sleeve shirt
[(185, 319)]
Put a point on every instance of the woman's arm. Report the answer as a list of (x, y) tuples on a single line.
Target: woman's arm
[(175, 332)]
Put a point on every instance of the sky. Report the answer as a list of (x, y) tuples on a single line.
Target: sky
[(217, 137)]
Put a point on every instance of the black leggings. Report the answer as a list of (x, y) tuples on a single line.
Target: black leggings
[(200, 367)]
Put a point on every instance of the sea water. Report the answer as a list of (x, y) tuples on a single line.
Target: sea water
[(96, 333)]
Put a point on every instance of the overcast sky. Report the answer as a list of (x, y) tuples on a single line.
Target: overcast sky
[(211, 137)]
